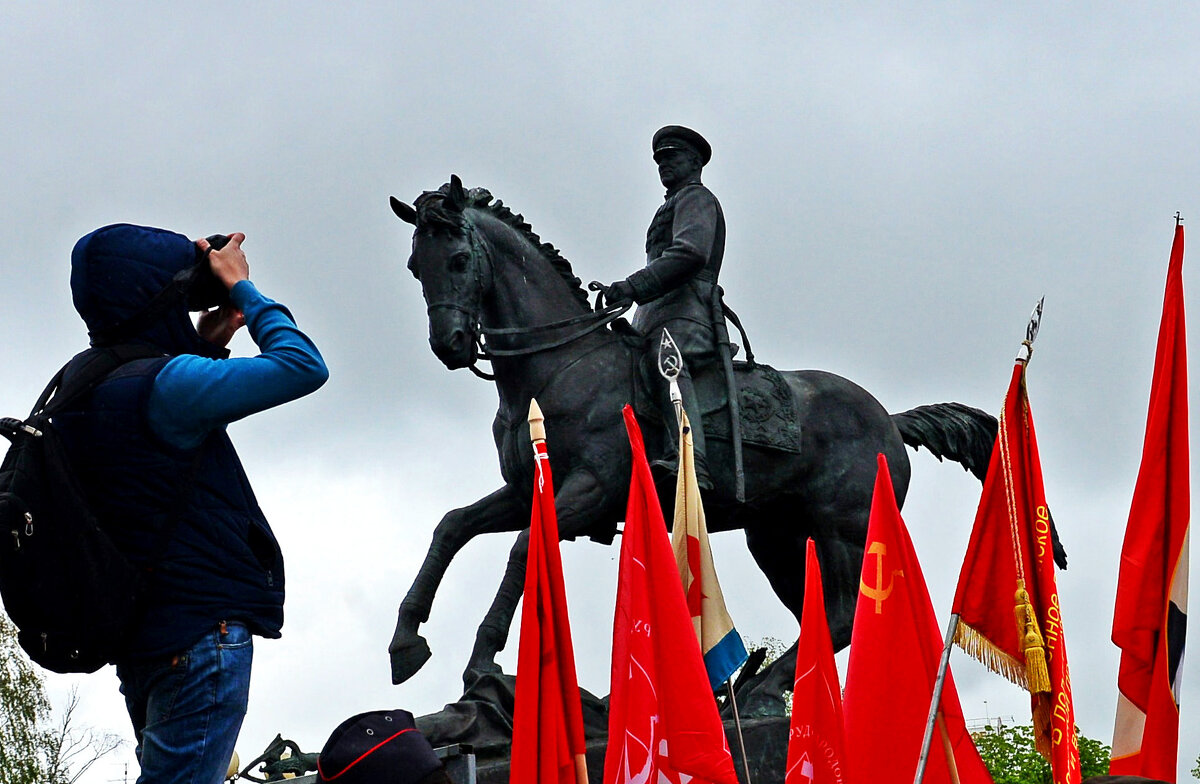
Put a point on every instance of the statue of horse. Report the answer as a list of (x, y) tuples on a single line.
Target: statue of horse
[(494, 290)]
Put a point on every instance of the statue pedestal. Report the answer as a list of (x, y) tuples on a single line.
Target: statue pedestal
[(482, 721), (766, 748), (459, 761)]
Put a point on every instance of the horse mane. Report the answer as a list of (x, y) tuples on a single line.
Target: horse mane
[(433, 215)]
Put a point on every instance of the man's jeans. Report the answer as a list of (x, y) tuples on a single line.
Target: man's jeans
[(187, 709)]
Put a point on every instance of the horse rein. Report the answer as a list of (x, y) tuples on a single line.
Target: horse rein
[(591, 321)]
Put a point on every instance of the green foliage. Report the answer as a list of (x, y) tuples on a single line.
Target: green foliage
[(774, 647), (1011, 758), (1094, 756), (23, 708), (33, 751)]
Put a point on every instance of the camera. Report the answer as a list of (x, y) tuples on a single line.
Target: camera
[(204, 291)]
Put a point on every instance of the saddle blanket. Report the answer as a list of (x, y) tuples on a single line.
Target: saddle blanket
[(768, 410)]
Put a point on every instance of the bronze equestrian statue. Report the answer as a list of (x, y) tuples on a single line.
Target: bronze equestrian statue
[(495, 291)]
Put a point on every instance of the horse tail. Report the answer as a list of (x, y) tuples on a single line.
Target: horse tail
[(965, 435)]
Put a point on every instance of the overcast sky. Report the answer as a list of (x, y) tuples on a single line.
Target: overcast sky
[(901, 185)]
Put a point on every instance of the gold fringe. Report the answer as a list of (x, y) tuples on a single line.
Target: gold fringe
[(1032, 644), (979, 647), (1041, 727)]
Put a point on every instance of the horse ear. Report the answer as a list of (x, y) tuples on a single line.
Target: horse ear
[(403, 211), (457, 197)]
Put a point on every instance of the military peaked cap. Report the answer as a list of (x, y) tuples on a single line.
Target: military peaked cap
[(378, 747), (676, 137)]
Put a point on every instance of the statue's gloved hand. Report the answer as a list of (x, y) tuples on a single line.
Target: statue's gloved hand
[(619, 293)]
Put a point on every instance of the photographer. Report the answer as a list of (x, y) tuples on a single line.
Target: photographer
[(150, 448)]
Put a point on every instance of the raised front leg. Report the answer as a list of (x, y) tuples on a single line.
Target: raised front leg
[(579, 504), (503, 510)]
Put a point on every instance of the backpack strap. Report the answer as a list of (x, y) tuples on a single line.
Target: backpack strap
[(89, 368)]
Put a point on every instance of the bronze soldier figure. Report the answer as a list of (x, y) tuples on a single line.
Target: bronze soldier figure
[(684, 247)]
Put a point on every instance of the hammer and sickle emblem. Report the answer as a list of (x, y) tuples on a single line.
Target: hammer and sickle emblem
[(878, 592)]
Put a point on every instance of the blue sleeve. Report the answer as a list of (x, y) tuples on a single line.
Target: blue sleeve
[(194, 395)]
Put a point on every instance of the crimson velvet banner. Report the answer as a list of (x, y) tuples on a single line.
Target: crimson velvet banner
[(1008, 571)]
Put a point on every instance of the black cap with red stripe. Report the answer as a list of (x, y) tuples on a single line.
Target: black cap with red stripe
[(377, 747)]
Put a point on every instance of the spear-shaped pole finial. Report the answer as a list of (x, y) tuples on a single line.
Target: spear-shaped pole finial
[(1031, 332), (670, 365)]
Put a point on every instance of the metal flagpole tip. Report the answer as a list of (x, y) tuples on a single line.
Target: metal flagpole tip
[(1031, 332), (670, 360), (537, 422)]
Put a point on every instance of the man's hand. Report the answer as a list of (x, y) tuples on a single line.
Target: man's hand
[(219, 325), (619, 293), (229, 263)]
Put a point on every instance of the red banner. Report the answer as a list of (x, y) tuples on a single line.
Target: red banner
[(1008, 571), (548, 743), (894, 654), (1151, 608), (816, 744), (663, 724)]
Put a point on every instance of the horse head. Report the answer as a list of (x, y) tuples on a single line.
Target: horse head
[(486, 274), (451, 261)]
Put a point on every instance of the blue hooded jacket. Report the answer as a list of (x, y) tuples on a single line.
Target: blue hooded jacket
[(157, 425)]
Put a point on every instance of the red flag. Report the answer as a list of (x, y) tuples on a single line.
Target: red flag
[(548, 744), (816, 746), (895, 649), (663, 724), (1007, 574), (1151, 608)]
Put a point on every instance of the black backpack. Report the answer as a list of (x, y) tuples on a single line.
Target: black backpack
[(69, 591)]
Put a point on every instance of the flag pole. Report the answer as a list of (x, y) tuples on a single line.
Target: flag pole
[(670, 365), (1025, 354), (737, 722), (936, 702)]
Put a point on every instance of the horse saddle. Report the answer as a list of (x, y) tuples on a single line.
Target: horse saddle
[(769, 417)]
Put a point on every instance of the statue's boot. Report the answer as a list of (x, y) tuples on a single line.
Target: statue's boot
[(670, 460)]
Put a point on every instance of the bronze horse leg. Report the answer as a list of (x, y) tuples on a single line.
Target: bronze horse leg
[(578, 504), (841, 564), (503, 510)]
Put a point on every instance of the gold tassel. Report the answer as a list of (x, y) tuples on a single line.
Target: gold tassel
[(1032, 645)]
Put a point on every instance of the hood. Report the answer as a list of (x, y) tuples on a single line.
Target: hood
[(115, 273)]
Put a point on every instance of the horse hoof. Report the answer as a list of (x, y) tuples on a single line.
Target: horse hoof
[(408, 657)]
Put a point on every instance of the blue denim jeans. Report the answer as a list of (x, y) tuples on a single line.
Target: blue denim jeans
[(187, 709)]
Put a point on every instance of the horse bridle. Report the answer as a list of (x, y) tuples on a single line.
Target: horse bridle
[(479, 258)]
